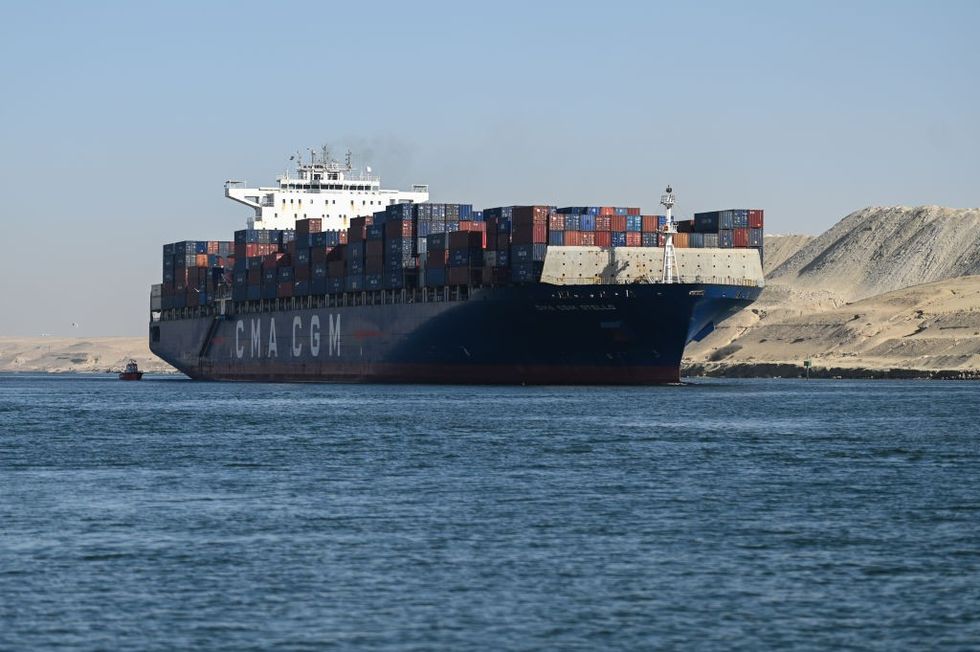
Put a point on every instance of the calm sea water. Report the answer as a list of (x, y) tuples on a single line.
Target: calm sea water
[(169, 514)]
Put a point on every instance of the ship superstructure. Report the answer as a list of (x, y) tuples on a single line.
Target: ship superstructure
[(322, 188)]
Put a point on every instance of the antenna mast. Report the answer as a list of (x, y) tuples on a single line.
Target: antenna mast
[(668, 200)]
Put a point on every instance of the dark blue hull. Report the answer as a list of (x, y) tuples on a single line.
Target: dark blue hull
[(536, 334)]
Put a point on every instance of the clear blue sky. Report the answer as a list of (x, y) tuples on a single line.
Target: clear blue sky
[(120, 121)]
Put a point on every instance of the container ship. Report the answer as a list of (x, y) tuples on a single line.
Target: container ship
[(335, 279)]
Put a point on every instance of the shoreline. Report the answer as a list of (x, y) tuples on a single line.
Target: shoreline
[(791, 371)]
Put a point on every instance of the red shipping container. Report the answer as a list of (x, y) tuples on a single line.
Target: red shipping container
[(650, 224), (755, 219), (472, 225), (632, 211), (285, 289), (201, 260), (588, 238), (556, 222), (255, 276), (634, 238), (302, 272), (603, 223), (608, 210), (536, 233), (617, 223), (603, 238), (573, 238), (475, 227), (740, 237)]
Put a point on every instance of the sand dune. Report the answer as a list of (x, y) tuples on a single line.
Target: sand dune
[(885, 288), (877, 250)]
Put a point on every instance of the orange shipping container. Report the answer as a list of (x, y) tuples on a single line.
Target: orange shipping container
[(682, 240)]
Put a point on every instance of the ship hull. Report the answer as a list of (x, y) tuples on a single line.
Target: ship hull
[(535, 334)]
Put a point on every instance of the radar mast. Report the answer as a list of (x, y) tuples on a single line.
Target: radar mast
[(668, 200)]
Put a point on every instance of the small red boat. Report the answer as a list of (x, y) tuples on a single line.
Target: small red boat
[(132, 372)]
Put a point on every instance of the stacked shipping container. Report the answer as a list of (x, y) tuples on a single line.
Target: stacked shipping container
[(424, 245)]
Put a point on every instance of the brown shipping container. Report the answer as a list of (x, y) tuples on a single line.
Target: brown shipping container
[(556, 222), (374, 249), (285, 289), (536, 233), (271, 261), (740, 237), (531, 214), (603, 238), (682, 240), (755, 219), (608, 210), (588, 238), (464, 275), (436, 258), (650, 224), (634, 238), (302, 272), (632, 210), (336, 269), (399, 228), (573, 238), (308, 226), (603, 223), (358, 228), (201, 260), (617, 223), (255, 276), (466, 239)]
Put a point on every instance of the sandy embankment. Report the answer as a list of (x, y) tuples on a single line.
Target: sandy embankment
[(65, 354), (886, 291)]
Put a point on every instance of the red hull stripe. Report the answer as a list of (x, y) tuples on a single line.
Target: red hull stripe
[(455, 374)]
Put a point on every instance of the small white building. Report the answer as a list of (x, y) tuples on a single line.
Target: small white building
[(326, 189)]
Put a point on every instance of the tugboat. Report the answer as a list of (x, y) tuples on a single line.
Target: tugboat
[(132, 372)]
